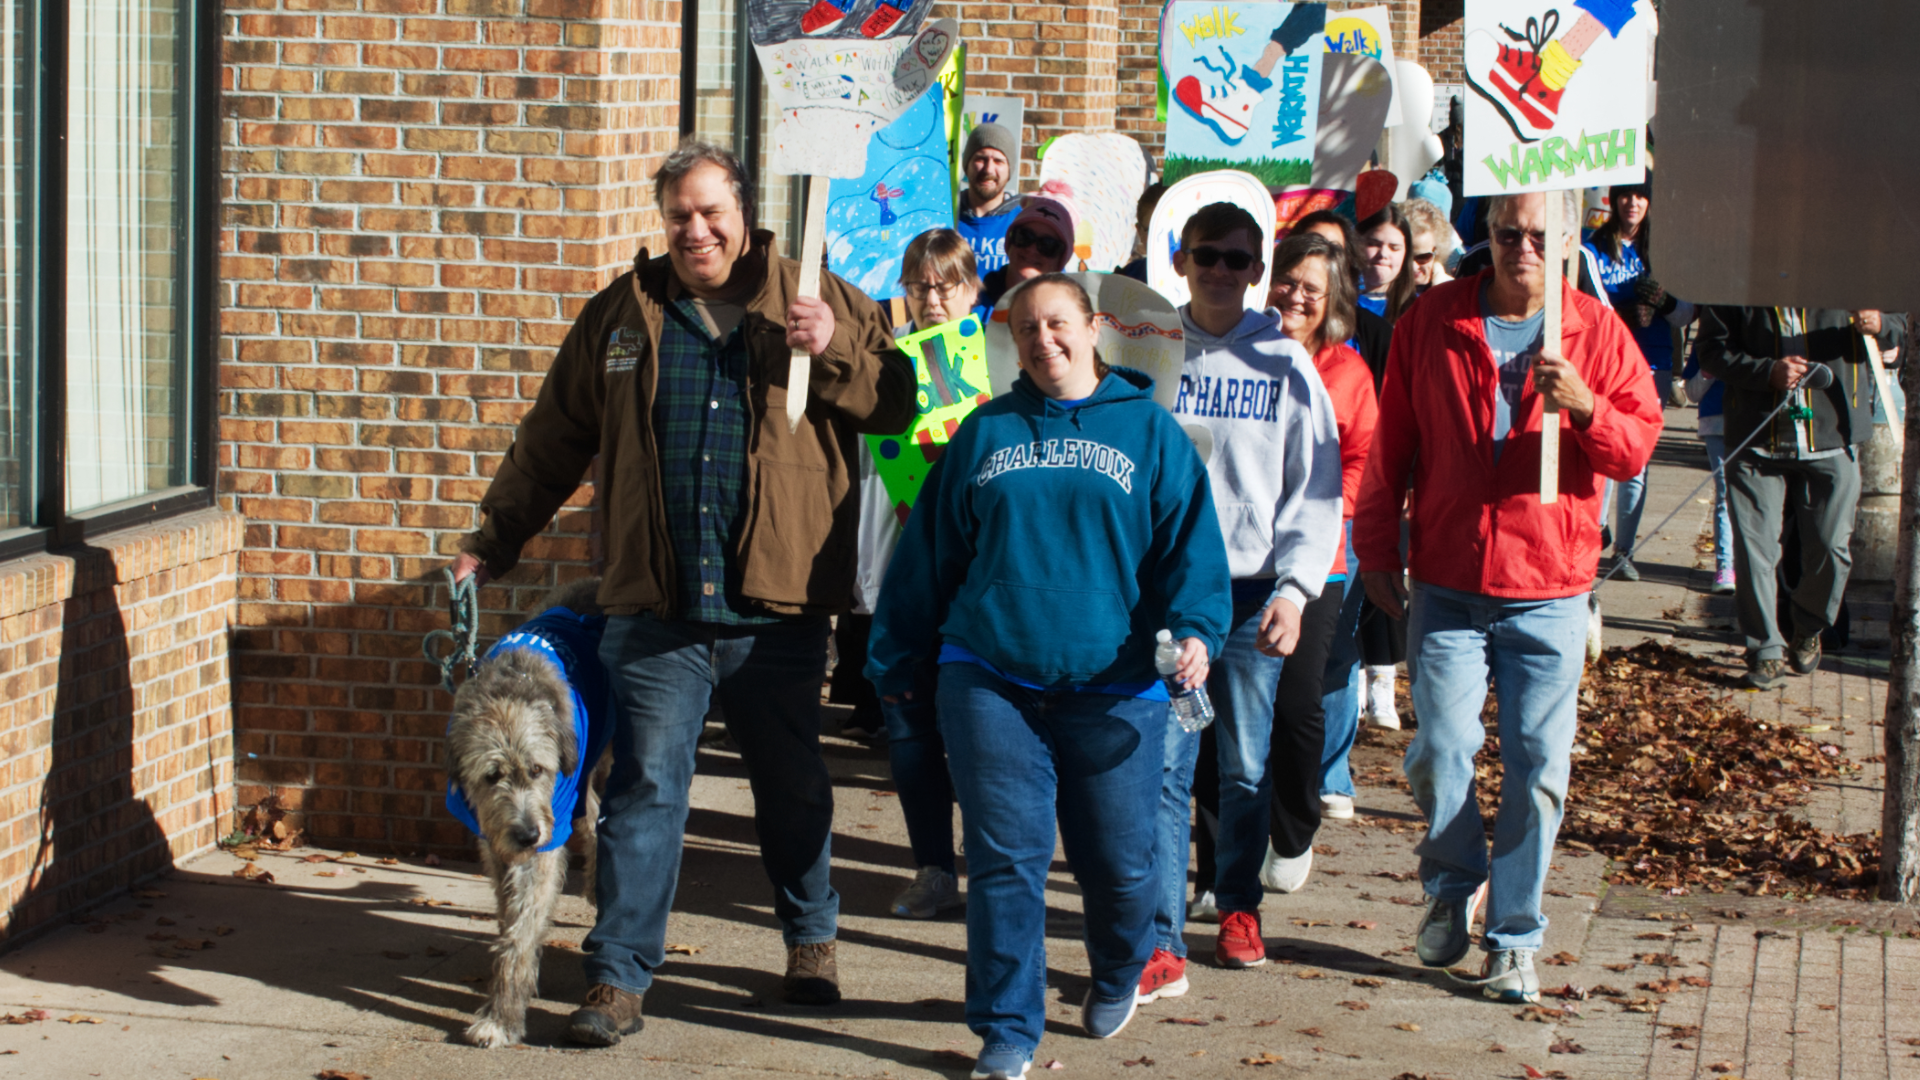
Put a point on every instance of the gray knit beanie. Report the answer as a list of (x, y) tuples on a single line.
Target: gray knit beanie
[(995, 137)]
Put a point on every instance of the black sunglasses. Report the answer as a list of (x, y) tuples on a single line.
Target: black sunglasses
[(1510, 237), (1049, 247), (1421, 258), (1236, 260)]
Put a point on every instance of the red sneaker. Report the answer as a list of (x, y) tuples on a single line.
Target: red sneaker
[(1239, 944), (884, 17), (824, 15), (1512, 85), (1164, 976)]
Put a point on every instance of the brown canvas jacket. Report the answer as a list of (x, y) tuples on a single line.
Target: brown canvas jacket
[(796, 548)]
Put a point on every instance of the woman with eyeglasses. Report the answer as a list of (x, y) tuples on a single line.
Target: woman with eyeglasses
[(1067, 522), (1040, 240), (1318, 704), (937, 275), (1386, 274)]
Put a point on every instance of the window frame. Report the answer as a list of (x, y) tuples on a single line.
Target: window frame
[(749, 108), (197, 228)]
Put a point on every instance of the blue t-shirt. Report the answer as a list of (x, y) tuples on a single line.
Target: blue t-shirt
[(1515, 346), (1375, 304)]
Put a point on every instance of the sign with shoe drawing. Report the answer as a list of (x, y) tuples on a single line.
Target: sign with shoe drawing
[(1245, 88), (1557, 93)]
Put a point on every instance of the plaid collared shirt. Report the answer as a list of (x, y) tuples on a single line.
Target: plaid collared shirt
[(702, 420)]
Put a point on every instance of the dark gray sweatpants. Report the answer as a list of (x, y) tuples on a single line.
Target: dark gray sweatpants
[(1823, 494)]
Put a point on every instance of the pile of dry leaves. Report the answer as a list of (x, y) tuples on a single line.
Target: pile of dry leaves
[(1685, 791)]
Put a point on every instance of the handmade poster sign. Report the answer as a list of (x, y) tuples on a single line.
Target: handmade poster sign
[(1355, 98), (1557, 93), (1108, 174), (1179, 204), (906, 190), (1367, 32), (951, 364), (1245, 83)]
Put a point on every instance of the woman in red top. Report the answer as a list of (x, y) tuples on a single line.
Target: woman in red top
[(1313, 290)]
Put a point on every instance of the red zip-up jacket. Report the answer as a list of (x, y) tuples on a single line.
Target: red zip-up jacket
[(1349, 384), (1478, 524)]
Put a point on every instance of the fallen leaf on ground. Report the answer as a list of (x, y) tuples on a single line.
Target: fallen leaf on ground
[(78, 1018), (1618, 967), (1190, 1021), (1141, 1060), (316, 858), (1311, 1033), (1369, 982), (1682, 1031), (1265, 1058), (1363, 924), (389, 862), (1640, 1005), (1309, 973), (1566, 1046), (1407, 1025), (349, 854), (1721, 1067), (1570, 992), (1054, 1065), (254, 872), (1540, 1014), (683, 950), (1696, 981), (1560, 959), (1356, 1006), (326, 873), (338, 1074), (1311, 922)]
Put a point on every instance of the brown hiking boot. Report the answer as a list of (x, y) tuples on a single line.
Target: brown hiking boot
[(609, 1012), (812, 976)]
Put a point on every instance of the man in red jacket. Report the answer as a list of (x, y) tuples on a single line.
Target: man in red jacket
[(1499, 580)]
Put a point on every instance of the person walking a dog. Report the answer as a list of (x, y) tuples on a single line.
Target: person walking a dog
[(730, 540), (1068, 520)]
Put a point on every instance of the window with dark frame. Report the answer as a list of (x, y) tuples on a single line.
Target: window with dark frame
[(723, 100), (108, 190)]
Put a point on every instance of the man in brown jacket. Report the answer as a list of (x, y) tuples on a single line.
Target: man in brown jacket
[(730, 539)]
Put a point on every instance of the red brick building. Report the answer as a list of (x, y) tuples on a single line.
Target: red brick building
[(223, 550)]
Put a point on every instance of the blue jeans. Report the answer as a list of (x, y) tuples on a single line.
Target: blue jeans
[(1534, 650), (1341, 698), (919, 758), (1633, 493), (1722, 521), (663, 676), (1242, 684), (1018, 758)]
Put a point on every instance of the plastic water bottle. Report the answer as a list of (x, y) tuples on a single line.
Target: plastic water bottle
[(1191, 707)]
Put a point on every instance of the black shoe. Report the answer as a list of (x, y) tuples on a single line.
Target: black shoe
[(865, 724), (1767, 674), (1804, 656), (1624, 569), (813, 977), (609, 1013)]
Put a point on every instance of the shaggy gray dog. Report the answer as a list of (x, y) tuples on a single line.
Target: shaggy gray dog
[(511, 736)]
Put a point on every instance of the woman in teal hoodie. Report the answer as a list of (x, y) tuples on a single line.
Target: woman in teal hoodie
[(1067, 522)]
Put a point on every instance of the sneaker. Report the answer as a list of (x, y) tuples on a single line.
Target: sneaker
[(885, 15), (1508, 977), (1723, 582), (1226, 106), (1382, 712), (1804, 656), (608, 1013), (1165, 976), (1512, 85), (1445, 934), (813, 977), (1624, 569), (1239, 944), (824, 15), (1104, 1019), (1766, 674), (932, 892), (1337, 807), (1279, 874), (1202, 909), (1001, 1063)]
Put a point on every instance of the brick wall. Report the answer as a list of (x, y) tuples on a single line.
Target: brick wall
[(1440, 40), (116, 739), (419, 196), (1060, 58)]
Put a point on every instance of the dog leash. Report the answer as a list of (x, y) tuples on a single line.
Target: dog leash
[(464, 638)]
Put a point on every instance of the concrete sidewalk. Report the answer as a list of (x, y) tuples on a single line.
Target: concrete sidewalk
[(372, 964)]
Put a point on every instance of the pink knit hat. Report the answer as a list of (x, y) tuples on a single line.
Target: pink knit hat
[(1051, 209)]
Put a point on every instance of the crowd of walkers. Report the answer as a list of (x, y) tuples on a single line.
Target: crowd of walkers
[(1366, 497)]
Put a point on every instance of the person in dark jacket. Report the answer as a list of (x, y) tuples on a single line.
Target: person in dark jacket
[(1812, 365), (730, 539)]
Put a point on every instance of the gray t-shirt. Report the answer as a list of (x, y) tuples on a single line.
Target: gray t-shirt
[(1515, 346)]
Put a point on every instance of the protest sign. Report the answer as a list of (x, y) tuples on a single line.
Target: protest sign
[(950, 362), (1355, 96), (1108, 174), (1367, 32), (1245, 82), (1179, 204)]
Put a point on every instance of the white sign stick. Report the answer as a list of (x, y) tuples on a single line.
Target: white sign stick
[(1550, 413), (813, 242)]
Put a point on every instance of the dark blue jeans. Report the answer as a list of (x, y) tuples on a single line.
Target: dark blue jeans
[(919, 758), (663, 676), (1017, 757)]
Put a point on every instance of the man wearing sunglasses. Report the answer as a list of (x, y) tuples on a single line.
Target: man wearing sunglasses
[(1500, 580), (1040, 240)]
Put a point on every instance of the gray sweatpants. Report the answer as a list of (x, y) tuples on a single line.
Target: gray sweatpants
[(1823, 494)]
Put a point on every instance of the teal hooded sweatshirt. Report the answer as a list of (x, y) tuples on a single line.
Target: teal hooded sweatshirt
[(1053, 540)]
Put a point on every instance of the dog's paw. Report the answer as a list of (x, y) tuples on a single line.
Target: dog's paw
[(490, 1033)]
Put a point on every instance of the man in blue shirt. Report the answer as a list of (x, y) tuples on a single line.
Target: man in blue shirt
[(988, 205)]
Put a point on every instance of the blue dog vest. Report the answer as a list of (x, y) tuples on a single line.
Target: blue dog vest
[(571, 640)]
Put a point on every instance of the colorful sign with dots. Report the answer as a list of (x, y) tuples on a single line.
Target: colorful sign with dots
[(950, 362)]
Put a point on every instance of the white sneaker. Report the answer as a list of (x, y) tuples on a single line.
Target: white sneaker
[(1225, 105), (1338, 807), (1285, 875), (933, 891), (1202, 909), (1381, 710)]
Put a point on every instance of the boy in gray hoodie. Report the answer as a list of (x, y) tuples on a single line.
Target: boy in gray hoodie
[(1275, 475)]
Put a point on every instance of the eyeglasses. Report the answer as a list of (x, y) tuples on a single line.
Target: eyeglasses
[(1511, 238), (1049, 247), (919, 290), (1208, 257), (1421, 258), (1289, 288)]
